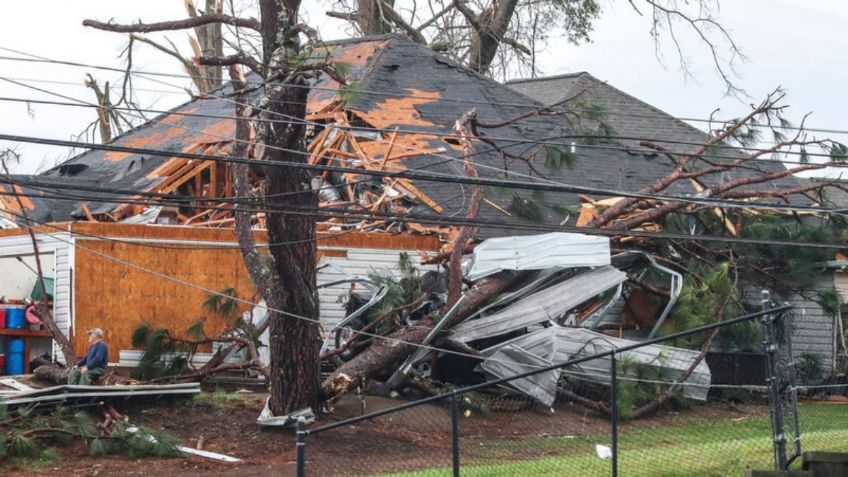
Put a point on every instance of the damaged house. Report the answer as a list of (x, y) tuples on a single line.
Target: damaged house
[(386, 142)]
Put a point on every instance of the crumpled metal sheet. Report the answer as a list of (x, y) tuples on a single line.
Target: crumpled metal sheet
[(561, 344), (538, 252), (545, 305)]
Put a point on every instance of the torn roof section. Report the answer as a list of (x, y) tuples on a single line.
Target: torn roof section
[(405, 98)]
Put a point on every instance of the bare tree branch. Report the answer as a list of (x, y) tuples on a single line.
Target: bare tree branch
[(205, 19)]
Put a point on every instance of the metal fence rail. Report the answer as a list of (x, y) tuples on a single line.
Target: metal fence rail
[(482, 430)]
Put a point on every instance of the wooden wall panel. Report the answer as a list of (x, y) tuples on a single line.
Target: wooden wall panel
[(118, 298)]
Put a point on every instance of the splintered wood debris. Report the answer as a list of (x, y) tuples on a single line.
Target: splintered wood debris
[(333, 141)]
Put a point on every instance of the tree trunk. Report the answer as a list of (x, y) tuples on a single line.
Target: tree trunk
[(486, 37), (400, 344), (52, 373), (211, 43), (371, 18), (294, 336)]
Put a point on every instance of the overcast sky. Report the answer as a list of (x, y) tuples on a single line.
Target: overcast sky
[(799, 45)]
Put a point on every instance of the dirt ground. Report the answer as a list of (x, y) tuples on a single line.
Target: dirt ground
[(418, 437)]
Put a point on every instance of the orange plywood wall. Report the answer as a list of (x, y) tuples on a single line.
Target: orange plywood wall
[(118, 298)]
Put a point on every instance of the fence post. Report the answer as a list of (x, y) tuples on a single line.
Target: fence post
[(793, 383), (455, 398), (775, 408), (301, 447), (614, 414)]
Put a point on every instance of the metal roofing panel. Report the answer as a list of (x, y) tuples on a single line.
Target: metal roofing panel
[(573, 343), (543, 306), (511, 360), (560, 344), (538, 252)]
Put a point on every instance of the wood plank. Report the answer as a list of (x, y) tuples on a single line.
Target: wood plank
[(213, 180), (413, 153), (318, 142), (187, 177), (88, 216), (388, 154)]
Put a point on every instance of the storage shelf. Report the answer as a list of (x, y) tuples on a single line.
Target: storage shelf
[(24, 332)]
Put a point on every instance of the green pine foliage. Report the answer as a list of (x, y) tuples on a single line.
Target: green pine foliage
[(407, 289), (557, 158), (28, 434), (528, 209), (640, 384), (830, 301), (782, 269), (167, 355)]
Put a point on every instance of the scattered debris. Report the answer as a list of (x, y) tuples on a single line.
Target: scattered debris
[(189, 450), (538, 252), (74, 394), (266, 419), (14, 383), (564, 298)]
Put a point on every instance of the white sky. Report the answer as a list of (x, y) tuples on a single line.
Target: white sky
[(799, 45)]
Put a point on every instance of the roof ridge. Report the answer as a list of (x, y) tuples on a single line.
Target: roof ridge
[(549, 78)]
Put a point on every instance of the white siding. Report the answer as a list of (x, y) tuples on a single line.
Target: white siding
[(361, 261), (812, 327), (59, 244)]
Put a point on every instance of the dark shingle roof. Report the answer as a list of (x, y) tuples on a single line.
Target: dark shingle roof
[(628, 116), (409, 86)]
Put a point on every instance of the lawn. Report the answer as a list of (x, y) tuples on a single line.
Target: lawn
[(703, 447)]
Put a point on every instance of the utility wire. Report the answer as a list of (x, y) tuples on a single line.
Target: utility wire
[(40, 59), (416, 175), (451, 135), (210, 291), (423, 151), (50, 194), (527, 227)]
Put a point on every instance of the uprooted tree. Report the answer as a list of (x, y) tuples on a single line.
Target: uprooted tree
[(286, 277), (739, 189)]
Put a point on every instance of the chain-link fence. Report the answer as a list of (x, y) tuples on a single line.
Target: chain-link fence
[(666, 420)]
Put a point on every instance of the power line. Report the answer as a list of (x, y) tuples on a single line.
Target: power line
[(303, 152), (417, 175), (164, 201), (186, 283), (532, 227), (515, 141), (449, 158), (536, 105)]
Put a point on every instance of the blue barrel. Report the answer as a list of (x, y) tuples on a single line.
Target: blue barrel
[(15, 356), (15, 318)]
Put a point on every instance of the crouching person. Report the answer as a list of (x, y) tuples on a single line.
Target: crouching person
[(94, 363)]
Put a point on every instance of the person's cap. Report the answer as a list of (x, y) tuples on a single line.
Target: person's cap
[(96, 331)]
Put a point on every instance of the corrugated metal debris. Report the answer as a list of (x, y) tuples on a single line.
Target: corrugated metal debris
[(572, 301), (556, 344), (546, 305), (538, 252)]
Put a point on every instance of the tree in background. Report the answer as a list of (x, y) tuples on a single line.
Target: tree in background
[(501, 37)]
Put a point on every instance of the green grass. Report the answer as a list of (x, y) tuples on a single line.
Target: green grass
[(220, 400), (703, 447)]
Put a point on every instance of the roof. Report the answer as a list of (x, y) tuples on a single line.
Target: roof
[(401, 85), (627, 115), (633, 120)]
